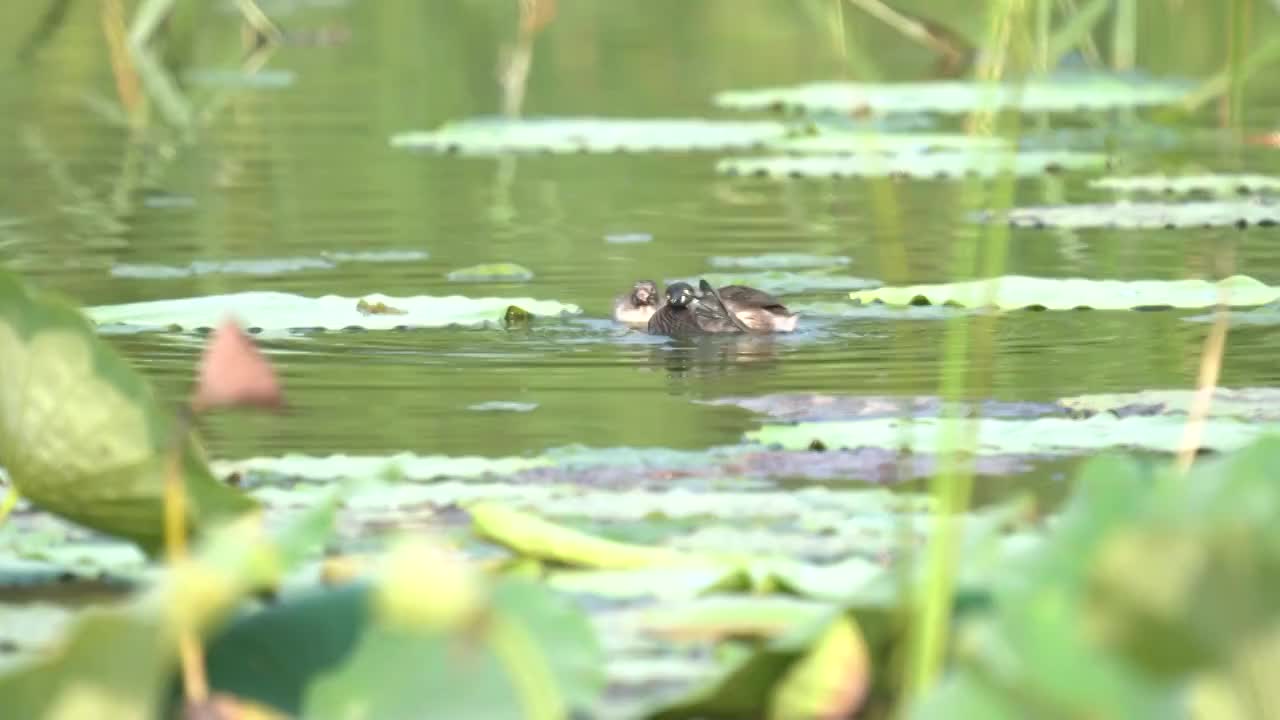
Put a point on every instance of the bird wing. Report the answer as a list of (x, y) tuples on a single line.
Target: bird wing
[(749, 296), (710, 311)]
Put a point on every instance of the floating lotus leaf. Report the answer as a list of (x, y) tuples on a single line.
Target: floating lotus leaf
[(1225, 184), (938, 166), (778, 261), (1012, 292), (497, 135), (878, 311), (782, 282), (279, 311), (1258, 403), (1151, 215), (849, 143), (81, 434), (492, 272), (503, 406), (1268, 314), (264, 266), (823, 406), (1058, 94), (400, 466), (996, 435)]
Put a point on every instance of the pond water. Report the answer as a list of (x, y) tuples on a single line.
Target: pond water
[(305, 169), (289, 182)]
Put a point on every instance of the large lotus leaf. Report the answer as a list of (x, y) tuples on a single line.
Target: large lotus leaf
[(81, 434), (534, 656), (785, 282), (1225, 184), (1244, 403), (277, 311), (1059, 94), (935, 166), (995, 435), (497, 135), (1145, 215), (842, 143), (1012, 292)]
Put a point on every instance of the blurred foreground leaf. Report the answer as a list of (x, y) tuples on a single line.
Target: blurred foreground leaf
[(820, 668), (82, 434)]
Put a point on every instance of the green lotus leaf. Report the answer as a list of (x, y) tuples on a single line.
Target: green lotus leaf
[(81, 434), (1012, 292), (497, 135), (277, 311), (936, 166), (1051, 435), (1056, 94), (1224, 184), (1148, 215), (492, 272)]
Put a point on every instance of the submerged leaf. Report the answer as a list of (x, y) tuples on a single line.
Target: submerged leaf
[(278, 311), (1056, 94), (1150, 215), (1224, 184), (940, 166), (492, 272), (496, 135), (1012, 292)]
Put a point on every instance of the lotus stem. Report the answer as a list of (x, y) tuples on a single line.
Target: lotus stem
[(1210, 370), (195, 681)]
